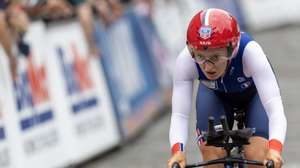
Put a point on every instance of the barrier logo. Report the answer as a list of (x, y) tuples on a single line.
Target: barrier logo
[(31, 94), (80, 87)]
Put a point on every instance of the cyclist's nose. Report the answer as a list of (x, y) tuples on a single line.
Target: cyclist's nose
[(207, 65)]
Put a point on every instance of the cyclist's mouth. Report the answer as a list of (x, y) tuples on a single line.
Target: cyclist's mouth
[(211, 73)]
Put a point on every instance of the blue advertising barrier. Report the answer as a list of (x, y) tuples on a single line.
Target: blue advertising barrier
[(101, 39), (154, 46), (130, 73), (146, 62)]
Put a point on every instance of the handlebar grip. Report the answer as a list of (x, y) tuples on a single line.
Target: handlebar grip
[(176, 165), (270, 164), (211, 127), (224, 123)]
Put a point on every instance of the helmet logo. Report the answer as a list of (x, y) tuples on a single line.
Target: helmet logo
[(205, 32)]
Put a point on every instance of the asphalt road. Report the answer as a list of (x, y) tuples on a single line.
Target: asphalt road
[(151, 149)]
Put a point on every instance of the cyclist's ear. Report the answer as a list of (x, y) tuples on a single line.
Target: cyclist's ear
[(191, 50), (229, 50)]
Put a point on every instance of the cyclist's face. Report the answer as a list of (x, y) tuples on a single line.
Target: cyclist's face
[(213, 62)]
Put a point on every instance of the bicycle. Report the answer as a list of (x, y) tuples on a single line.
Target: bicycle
[(230, 140)]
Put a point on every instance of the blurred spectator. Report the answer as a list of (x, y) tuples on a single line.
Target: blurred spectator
[(116, 7), (17, 18), (125, 1), (14, 22), (103, 10), (18, 23), (6, 39), (85, 15), (143, 7), (61, 9), (47, 9), (56, 9), (108, 10)]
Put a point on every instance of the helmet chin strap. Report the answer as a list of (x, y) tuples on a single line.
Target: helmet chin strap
[(227, 67), (191, 50), (230, 53)]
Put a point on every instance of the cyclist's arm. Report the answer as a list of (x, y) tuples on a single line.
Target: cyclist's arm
[(258, 67), (184, 75)]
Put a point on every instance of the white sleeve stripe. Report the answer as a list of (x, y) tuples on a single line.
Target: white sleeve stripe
[(277, 120)]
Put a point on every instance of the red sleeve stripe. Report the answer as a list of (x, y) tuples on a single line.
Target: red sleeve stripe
[(275, 144), (177, 147)]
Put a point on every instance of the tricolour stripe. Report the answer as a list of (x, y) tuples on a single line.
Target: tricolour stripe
[(177, 147), (206, 17)]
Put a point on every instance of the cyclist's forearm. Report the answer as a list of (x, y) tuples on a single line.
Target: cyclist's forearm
[(277, 124), (181, 107), (183, 78)]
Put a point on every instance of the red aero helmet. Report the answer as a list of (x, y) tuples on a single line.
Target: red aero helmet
[(213, 28)]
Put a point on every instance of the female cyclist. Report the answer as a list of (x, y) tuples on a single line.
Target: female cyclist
[(234, 74)]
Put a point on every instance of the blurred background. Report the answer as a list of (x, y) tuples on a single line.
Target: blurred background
[(88, 83)]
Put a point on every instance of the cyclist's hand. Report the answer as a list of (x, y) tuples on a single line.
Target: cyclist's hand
[(178, 157), (276, 157)]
